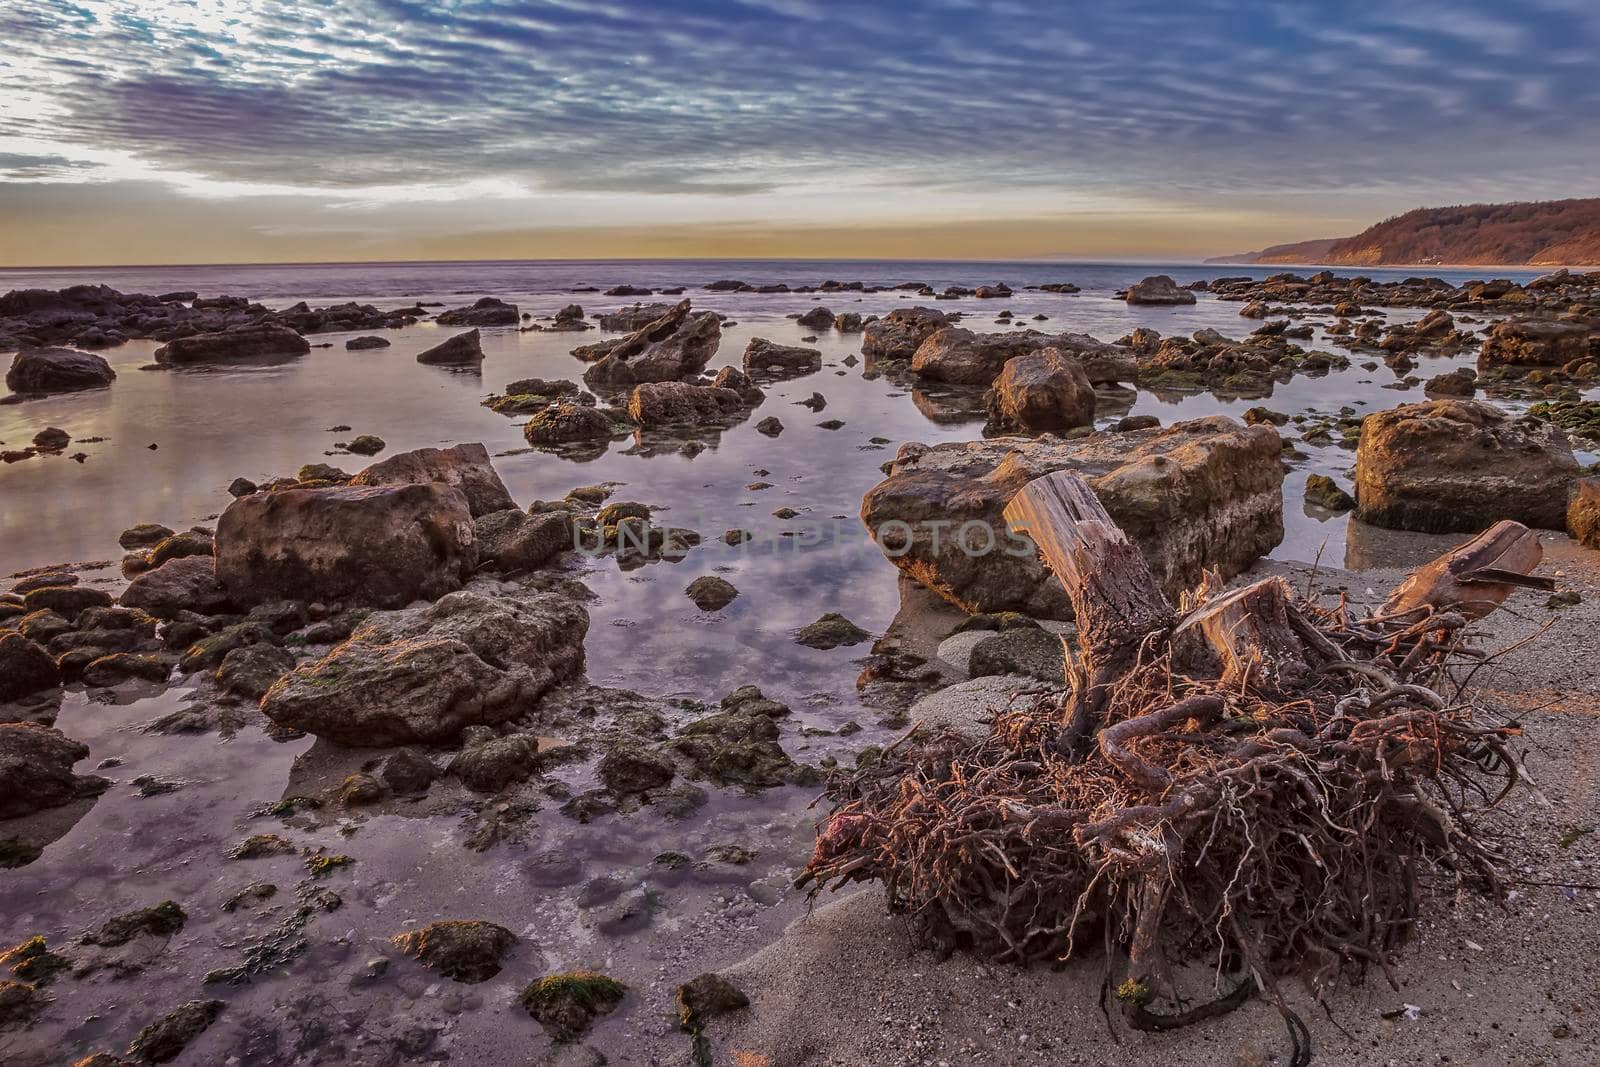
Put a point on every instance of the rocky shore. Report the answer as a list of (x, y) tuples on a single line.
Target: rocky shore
[(336, 774)]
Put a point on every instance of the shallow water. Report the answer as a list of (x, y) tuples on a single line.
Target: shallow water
[(214, 424)]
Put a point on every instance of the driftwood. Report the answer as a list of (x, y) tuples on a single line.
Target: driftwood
[(1254, 781)]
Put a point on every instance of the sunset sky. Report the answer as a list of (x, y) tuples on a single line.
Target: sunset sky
[(249, 130)]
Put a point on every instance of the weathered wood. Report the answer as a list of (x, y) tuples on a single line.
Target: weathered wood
[(1476, 578), (1115, 599), (1262, 639)]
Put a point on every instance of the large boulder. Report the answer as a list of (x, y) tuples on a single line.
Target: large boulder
[(260, 340), (1461, 465), (769, 356), (1535, 343), (36, 769), (898, 334), (514, 540), (1158, 289), (1207, 493), (464, 467), (57, 370), (632, 318), (1043, 391), (490, 311), (424, 674), (464, 349), (675, 346), (666, 403), (379, 545), (188, 583)]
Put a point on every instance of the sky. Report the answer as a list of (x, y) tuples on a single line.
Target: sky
[(232, 131)]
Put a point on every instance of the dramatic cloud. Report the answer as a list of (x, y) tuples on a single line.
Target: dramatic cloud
[(796, 111)]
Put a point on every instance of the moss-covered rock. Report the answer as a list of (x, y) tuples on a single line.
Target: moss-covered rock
[(567, 1004), (831, 631), (19, 1003), (167, 1037), (162, 920), (467, 950), (32, 961)]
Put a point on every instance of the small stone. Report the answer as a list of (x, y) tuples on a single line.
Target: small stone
[(467, 950), (166, 1038), (566, 1005), (711, 593), (831, 631), (707, 996), (366, 445)]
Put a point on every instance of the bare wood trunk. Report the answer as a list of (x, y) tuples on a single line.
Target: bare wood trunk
[(1261, 637), (1115, 598), (1475, 578)]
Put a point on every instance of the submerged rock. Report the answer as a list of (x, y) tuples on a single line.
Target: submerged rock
[(1324, 492), (57, 370), (711, 593), (383, 545), (1197, 494), (361, 344), (260, 340), (465, 467), (424, 674), (1460, 465), (467, 950), (831, 631), (786, 360), (36, 770), (462, 349), (167, 1037)]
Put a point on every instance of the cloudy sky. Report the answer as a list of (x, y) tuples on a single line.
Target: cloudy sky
[(283, 130)]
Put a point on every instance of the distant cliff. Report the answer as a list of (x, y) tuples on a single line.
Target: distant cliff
[(1546, 233)]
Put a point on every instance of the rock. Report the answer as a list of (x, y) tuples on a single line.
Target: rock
[(65, 600), (467, 950), (629, 767), (675, 346), (166, 1038), (666, 403), (632, 318), (36, 770), (1028, 651), (51, 439), (25, 668), (382, 545), (513, 540), (1158, 289), (262, 340), (366, 445), (567, 1004), (465, 467), (1535, 343), (1460, 465), (705, 997), (460, 350), (423, 674), (408, 772), (741, 383), (159, 920), (786, 360), (965, 707), (897, 335), (566, 424), (739, 744), (1324, 492), (818, 318), (491, 763), (711, 593), (831, 631), (32, 961), (144, 535), (323, 474), (20, 1002), (119, 667), (769, 426), (250, 670), (1583, 513), (1043, 391), (178, 546), (1459, 382), (186, 584), (490, 311), (57, 370), (1198, 494), (959, 356), (361, 344)]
